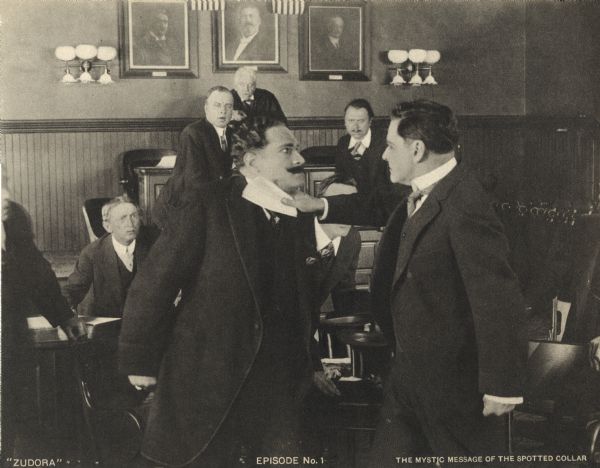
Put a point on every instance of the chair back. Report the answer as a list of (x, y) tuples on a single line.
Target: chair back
[(129, 160), (550, 365), (321, 155), (92, 214)]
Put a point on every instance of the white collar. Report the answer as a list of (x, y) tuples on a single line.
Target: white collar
[(220, 130), (366, 141), (267, 195), (334, 40), (120, 248), (323, 239), (246, 40), (432, 177), (162, 38)]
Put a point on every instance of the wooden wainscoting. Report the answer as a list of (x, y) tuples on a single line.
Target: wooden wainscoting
[(54, 165)]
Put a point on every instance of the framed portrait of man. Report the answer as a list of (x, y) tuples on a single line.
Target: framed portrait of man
[(248, 33), (158, 39), (335, 41)]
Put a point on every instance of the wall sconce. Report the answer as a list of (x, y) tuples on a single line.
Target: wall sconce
[(414, 67), (86, 55)]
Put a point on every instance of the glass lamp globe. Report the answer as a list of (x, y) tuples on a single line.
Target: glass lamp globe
[(432, 57), (106, 53), (417, 55), (86, 51), (397, 56), (66, 53)]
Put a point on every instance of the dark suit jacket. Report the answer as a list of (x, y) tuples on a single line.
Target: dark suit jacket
[(97, 268), (326, 57), (264, 104), (444, 291), (340, 277), (204, 350), (199, 159), (371, 171), (261, 48)]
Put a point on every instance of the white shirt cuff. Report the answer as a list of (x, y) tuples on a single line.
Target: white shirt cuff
[(505, 400), (325, 210)]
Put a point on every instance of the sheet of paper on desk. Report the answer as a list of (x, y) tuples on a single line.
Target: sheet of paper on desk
[(167, 161)]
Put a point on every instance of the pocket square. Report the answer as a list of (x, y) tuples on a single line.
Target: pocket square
[(310, 260)]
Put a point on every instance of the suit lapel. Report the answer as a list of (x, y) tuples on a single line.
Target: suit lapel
[(110, 269), (415, 225), (241, 215)]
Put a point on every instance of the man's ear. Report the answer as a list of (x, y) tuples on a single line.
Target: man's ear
[(106, 226), (250, 159), (419, 151)]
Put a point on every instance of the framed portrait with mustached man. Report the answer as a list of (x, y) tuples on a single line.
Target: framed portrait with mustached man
[(249, 33), (334, 41), (158, 39)]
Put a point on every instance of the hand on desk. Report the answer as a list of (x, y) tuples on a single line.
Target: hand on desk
[(74, 328), (594, 353), (144, 382), (305, 203), (325, 384)]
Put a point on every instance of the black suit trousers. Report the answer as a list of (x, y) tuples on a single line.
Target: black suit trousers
[(409, 427)]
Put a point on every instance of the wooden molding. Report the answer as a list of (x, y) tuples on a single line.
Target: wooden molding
[(295, 123)]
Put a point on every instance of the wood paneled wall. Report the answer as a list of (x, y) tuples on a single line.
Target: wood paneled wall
[(53, 166)]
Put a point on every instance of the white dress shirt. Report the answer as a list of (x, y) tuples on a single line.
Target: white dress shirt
[(124, 252), (335, 41), (244, 41), (323, 239), (364, 143), (425, 181)]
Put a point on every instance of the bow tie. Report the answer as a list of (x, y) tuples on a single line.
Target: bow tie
[(414, 197)]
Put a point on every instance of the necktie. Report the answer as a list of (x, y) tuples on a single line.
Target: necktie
[(414, 197), (248, 103), (274, 219), (223, 141), (356, 150), (128, 258)]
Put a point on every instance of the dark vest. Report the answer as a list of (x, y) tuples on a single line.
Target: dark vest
[(125, 276)]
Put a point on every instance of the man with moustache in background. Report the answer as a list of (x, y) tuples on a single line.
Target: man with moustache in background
[(203, 154), (232, 363)]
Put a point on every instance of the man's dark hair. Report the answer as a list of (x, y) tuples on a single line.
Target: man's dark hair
[(218, 88), (428, 121), (335, 179), (360, 104), (249, 134)]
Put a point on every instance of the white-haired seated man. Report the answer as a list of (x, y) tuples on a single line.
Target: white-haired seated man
[(250, 101), (108, 265)]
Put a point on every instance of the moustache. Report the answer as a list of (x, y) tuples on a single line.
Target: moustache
[(296, 169)]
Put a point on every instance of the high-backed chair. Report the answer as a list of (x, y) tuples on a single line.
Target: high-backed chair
[(553, 412), (92, 214), (145, 157)]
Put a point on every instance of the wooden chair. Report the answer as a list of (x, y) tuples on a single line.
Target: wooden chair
[(114, 414), (92, 214)]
